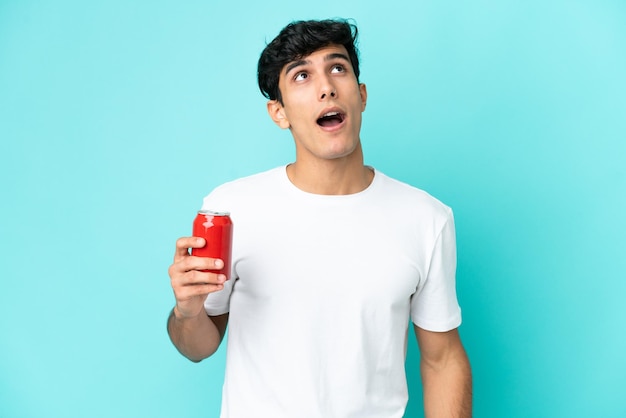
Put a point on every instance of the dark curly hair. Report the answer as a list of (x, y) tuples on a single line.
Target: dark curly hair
[(299, 39)]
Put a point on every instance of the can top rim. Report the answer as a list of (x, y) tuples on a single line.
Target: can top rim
[(213, 212)]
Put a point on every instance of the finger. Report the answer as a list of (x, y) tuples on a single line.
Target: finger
[(183, 244), (194, 270), (191, 262), (194, 277), (200, 290)]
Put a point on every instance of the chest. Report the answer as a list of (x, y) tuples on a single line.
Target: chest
[(334, 256)]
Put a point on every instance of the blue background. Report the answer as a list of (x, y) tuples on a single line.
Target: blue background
[(117, 117)]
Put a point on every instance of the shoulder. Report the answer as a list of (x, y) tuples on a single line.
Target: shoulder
[(405, 196)]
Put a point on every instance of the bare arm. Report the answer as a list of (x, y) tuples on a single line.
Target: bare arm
[(446, 374), (199, 337), (195, 334)]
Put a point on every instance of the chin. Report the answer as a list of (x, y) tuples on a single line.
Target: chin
[(340, 153)]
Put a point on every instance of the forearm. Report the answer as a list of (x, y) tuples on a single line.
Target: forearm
[(448, 387), (195, 338)]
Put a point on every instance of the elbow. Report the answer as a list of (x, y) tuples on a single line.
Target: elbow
[(198, 356)]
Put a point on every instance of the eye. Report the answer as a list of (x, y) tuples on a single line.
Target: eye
[(338, 68), (301, 76)]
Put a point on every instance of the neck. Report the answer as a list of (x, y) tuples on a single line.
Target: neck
[(331, 177)]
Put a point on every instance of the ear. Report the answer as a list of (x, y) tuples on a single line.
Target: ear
[(363, 91), (277, 113)]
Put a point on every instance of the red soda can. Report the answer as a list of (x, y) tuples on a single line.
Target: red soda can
[(217, 230)]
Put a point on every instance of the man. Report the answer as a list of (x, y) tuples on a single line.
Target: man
[(331, 259)]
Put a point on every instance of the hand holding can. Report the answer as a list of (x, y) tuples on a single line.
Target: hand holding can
[(217, 230)]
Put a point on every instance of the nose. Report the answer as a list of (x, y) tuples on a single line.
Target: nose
[(332, 94), (327, 90)]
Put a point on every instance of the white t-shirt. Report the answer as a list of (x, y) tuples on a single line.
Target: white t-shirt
[(322, 292)]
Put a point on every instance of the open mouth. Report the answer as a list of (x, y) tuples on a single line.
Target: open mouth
[(330, 119)]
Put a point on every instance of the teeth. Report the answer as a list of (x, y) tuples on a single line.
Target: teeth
[(329, 114)]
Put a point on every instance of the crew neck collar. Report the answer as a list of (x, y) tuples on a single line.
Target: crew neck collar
[(295, 189)]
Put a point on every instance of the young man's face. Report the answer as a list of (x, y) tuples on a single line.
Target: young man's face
[(322, 104)]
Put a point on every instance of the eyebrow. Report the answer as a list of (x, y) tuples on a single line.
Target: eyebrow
[(301, 62)]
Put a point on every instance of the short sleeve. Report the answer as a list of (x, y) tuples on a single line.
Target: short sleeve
[(218, 303), (434, 306)]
